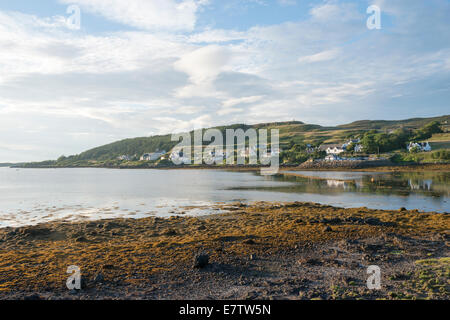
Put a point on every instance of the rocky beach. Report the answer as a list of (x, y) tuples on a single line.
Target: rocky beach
[(252, 251)]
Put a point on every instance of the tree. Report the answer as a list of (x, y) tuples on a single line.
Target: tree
[(368, 142), (427, 131)]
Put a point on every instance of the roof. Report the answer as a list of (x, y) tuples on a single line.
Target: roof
[(326, 146)]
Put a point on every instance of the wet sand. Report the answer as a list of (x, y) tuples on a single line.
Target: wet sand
[(262, 251)]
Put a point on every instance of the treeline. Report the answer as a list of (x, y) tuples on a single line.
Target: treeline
[(378, 142)]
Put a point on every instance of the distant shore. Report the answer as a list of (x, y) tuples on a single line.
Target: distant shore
[(382, 166), (260, 251)]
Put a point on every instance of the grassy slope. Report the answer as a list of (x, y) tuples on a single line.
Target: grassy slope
[(295, 131)]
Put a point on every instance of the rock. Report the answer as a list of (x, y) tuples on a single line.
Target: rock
[(402, 209), (327, 229), (81, 239), (99, 278), (249, 241), (33, 297), (108, 267), (252, 257), (200, 228), (201, 261), (33, 231), (333, 221), (312, 262), (170, 233)]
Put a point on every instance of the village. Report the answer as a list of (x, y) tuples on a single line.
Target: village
[(351, 150)]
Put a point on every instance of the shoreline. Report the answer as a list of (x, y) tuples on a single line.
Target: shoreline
[(262, 251), (381, 168)]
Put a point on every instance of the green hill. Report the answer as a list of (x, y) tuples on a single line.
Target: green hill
[(292, 134)]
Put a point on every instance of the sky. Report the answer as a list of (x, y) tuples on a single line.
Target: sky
[(146, 67)]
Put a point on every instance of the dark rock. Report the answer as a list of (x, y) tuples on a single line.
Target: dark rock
[(402, 209), (312, 262), (327, 229), (33, 297), (108, 267), (249, 241), (201, 261), (378, 222), (334, 221), (99, 278), (81, 239), (33, 231), (170, 233)]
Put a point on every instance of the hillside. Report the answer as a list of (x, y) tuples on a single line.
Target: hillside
[(291, 133)]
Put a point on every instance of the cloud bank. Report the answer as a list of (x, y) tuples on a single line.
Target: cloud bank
[(63, 91)]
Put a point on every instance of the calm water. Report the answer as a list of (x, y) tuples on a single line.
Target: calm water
[(36, 195)]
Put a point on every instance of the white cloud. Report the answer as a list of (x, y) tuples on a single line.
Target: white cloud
[(68, 91), (321, 56), (202, 65), (145, 14), (244, 100)]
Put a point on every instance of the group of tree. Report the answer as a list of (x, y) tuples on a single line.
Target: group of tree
[(379, 142)]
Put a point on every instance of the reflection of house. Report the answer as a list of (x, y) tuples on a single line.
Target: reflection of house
[(420, 146), (336, 184), (152, 156), (424, 184)]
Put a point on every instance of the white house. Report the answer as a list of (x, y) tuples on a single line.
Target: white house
[(335, 149), (354, 141), (178, 156), (153, 156), (421, 146), (359, 148), (332, 157), (213, 156), (124, 157)]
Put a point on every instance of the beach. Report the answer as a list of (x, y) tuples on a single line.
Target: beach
[(265, 250)]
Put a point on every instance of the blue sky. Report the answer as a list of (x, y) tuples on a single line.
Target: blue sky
[(145, 67)]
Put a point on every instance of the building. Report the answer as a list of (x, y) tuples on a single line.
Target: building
[(332, 149), (359, 148), (332, 157), (310, 149), (178, 156), (153, 156), (350, 142), (124, 157), (420, 146)]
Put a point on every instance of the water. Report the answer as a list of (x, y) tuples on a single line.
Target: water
[(31, 196)]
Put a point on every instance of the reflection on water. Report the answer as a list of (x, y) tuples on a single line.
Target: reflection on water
[(33, 196), (435, 184)]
